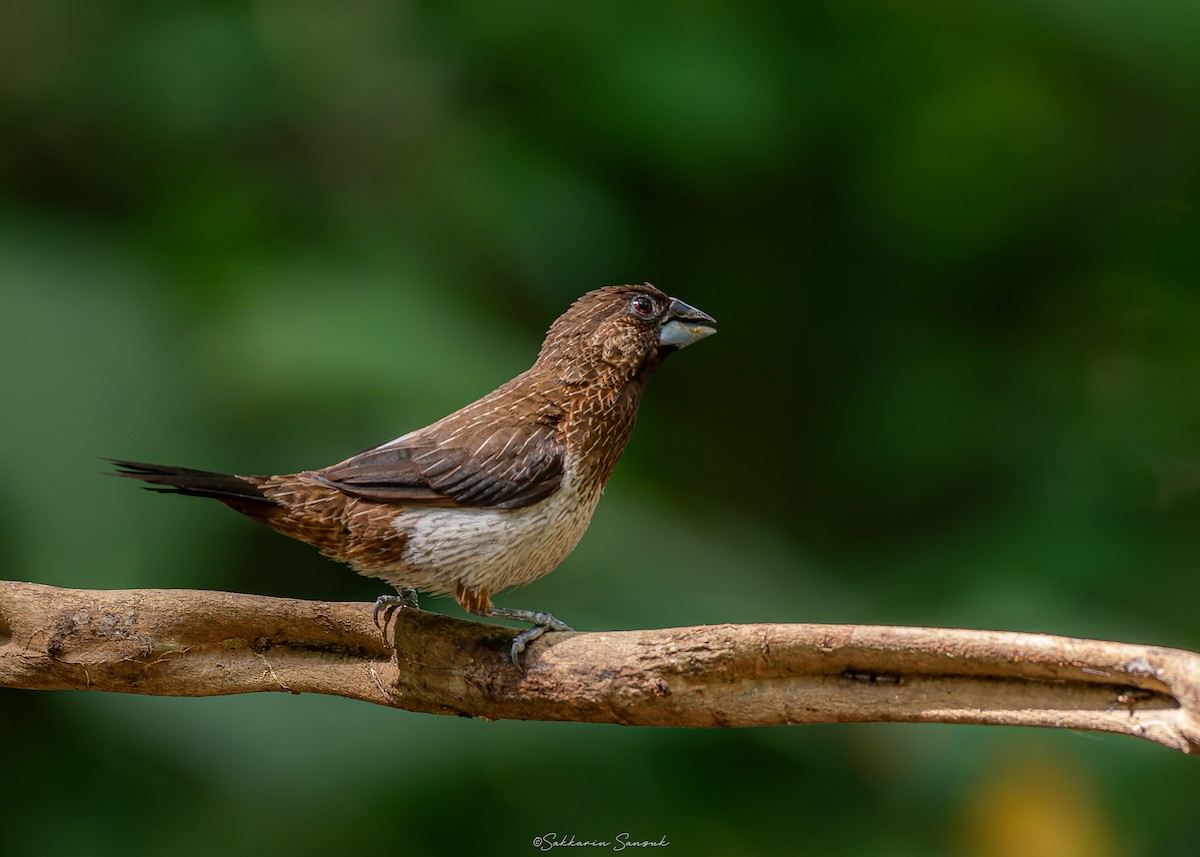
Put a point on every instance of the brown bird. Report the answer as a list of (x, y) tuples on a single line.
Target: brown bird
[(497, 493)]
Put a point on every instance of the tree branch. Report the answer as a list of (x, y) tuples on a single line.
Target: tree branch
[(196, 643)]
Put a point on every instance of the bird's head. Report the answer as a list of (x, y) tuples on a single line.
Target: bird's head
[(616, 334)]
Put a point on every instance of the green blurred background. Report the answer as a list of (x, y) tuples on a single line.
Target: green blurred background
[(953, 250)]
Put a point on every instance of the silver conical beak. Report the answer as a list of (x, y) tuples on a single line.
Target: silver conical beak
[(684, 325)]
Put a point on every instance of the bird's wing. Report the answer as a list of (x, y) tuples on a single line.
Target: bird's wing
[(510, 467)]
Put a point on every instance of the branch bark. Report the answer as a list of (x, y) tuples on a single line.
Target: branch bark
[(197, 643)]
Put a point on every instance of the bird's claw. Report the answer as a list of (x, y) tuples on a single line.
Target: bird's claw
[(389, 604), (518, 645), (542, 622)]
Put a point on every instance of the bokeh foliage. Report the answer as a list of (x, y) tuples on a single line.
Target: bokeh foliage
[(953, 249)]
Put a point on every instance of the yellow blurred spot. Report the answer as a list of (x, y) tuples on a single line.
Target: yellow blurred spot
[(1037, 808)]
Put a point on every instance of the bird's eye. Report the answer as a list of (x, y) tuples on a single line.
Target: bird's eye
[(644, 306)]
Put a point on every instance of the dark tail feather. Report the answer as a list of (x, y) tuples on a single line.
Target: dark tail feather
[(236, 491)]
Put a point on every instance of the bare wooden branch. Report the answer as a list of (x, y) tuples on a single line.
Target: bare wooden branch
[(195, 643)]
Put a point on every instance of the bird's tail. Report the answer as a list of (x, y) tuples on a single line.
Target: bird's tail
[(238, 492)]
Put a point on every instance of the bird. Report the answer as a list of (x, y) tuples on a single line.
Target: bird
[(494, 495)]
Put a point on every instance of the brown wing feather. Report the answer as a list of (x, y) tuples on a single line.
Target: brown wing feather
[(510, 467)]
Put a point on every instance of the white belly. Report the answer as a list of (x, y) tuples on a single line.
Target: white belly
[(491, 549)]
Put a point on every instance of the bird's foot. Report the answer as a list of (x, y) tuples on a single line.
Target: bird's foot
[(406, 598), (542, 622)]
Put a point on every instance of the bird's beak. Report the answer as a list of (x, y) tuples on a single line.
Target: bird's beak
[(684, 325)]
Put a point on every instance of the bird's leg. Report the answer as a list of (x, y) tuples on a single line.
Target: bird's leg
[(541, 622), (475, 599), (406, 597)]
